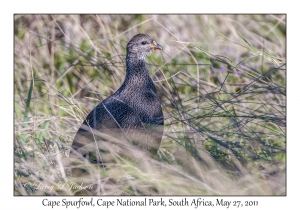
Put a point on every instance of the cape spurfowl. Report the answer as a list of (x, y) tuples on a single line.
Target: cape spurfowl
[(133, 113)]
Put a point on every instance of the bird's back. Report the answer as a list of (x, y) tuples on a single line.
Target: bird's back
[(137, 120)]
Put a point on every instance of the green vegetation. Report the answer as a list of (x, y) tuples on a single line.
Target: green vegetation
[(222, 81)]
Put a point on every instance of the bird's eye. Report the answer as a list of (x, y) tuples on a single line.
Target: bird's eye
[(144, 42)]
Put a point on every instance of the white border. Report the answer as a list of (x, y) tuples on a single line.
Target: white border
[(153, 6)]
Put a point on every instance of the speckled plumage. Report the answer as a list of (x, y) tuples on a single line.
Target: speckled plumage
[(134, 110)]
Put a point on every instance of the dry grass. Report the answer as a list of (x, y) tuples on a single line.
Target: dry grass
[(221, 79)]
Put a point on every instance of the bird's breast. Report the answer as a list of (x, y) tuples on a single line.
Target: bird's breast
[(144, 103)]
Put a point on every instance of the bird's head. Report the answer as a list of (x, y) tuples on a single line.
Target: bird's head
[(142, 45)]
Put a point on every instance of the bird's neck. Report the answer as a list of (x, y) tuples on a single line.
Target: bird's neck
[(137, 75), (136, 65), (136, 69)]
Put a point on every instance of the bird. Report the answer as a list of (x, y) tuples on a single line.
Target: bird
[(133, 113)]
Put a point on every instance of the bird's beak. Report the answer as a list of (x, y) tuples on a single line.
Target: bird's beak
[(156, 46)]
